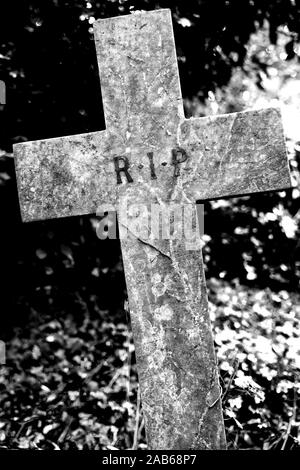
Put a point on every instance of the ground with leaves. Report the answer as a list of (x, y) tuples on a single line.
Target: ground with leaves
[(71, 383), (258, 345)]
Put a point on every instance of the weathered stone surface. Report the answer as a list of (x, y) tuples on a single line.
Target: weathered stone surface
[(139, 79), (225, 155), (174, 346), (228, 155), (234, 154), (64, 176)]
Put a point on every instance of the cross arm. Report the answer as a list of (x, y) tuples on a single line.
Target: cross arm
[(234, 154), (66, 176)]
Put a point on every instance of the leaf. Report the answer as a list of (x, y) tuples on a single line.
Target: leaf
[(36, 352), (41, 254), (50, 427)]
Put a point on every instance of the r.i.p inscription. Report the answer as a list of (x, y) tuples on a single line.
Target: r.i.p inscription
[(150, 153)]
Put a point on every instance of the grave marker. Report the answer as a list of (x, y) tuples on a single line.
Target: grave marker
[(149, 153)]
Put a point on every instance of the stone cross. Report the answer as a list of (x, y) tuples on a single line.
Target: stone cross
[(149, 153)]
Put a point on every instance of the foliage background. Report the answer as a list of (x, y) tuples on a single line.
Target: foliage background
[(70, 380)]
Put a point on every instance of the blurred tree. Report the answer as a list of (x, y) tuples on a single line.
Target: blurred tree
[(48, 61)]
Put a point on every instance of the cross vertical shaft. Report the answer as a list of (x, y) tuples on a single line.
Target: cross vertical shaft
[(139, 77), (166, 284)]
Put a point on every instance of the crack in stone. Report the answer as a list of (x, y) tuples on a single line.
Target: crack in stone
[(144, 242)]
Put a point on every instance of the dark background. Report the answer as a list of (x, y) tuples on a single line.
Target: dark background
[(63, 290)]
